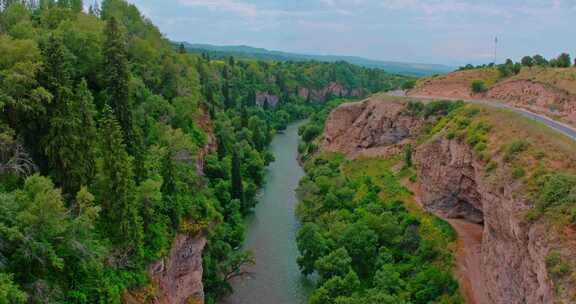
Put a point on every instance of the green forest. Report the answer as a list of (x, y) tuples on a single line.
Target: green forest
[(112, 140)]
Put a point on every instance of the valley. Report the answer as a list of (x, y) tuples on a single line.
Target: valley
[(137, 170)]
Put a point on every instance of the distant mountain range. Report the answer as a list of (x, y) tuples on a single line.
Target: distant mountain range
[(242, 51)]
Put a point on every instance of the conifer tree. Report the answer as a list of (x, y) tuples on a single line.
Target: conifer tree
[(117, 92), (237, 190), (70, 143), (117, 189)]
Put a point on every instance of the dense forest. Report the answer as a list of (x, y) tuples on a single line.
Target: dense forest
[(102, 122)]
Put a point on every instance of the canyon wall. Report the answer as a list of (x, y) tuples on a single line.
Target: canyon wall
[(323, 94), (453, 184)]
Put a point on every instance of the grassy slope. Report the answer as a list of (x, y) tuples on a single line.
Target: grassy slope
[(489, 75), (561, 78)]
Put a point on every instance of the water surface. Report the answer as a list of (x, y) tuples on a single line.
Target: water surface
[(275, 279)]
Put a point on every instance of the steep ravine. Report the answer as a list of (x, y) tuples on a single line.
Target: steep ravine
[(502, 257)]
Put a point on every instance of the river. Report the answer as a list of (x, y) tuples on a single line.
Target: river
[(270, 233)]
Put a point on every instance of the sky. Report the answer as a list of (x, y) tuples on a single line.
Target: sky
[(453, 32)]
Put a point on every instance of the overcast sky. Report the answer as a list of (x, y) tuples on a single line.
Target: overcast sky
[(430, 31)]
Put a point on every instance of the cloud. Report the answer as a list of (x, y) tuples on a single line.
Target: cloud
[(238, 7)]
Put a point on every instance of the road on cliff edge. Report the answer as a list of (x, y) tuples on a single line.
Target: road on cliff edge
[(555, 125), (468, 256)]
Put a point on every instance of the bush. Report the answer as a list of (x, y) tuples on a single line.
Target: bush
[(557, 268), (514, 149), (478, 86), (408, 85), (518, 173), (491, 166)]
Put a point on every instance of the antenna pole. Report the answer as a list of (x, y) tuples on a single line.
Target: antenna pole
[(495, 49)]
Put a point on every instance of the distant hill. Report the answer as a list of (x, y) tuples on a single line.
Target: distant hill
[(242, 51)]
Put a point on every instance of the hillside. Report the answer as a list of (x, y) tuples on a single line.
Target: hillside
[(545, 90), (403, 68), (508, 176)]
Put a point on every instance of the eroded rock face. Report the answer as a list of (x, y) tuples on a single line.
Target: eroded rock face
[(266, 99), (178, 278), (332, 89), (369, 128), (513, 252)]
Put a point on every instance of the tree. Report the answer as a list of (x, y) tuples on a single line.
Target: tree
[(71, 141), (539, 60), (116, 178), (408, 85), (527, 61), (9, 291), (361, 243), (237, 188), (312, 246), (337, 263), (117, 92), (563, 61), (478, 86)]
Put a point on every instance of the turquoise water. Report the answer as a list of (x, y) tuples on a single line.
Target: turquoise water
[(275, 279)]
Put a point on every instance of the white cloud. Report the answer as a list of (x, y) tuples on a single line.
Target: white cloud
[(238, 7)]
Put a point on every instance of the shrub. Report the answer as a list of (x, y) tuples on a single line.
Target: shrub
[(557, 268), (514, 149), (409, 85), (556, 189), (518, 173), (491, 166), (478, 86)]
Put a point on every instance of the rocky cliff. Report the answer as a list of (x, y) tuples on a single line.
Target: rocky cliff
[(453, 183), (178, 278), (369, 128), (513, 252), (332, 89)]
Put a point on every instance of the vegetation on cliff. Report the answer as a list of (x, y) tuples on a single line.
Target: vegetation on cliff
[(102, 123), (364, 236), (534, 161)]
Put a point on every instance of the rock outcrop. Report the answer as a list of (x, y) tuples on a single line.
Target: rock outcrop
[(369, 128), (265, 99), (332, 89), (178, 278)]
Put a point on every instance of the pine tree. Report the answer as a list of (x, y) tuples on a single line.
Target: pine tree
[(237, 190), (117, 92), (221, 149), (117, 189), (70, 143)]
